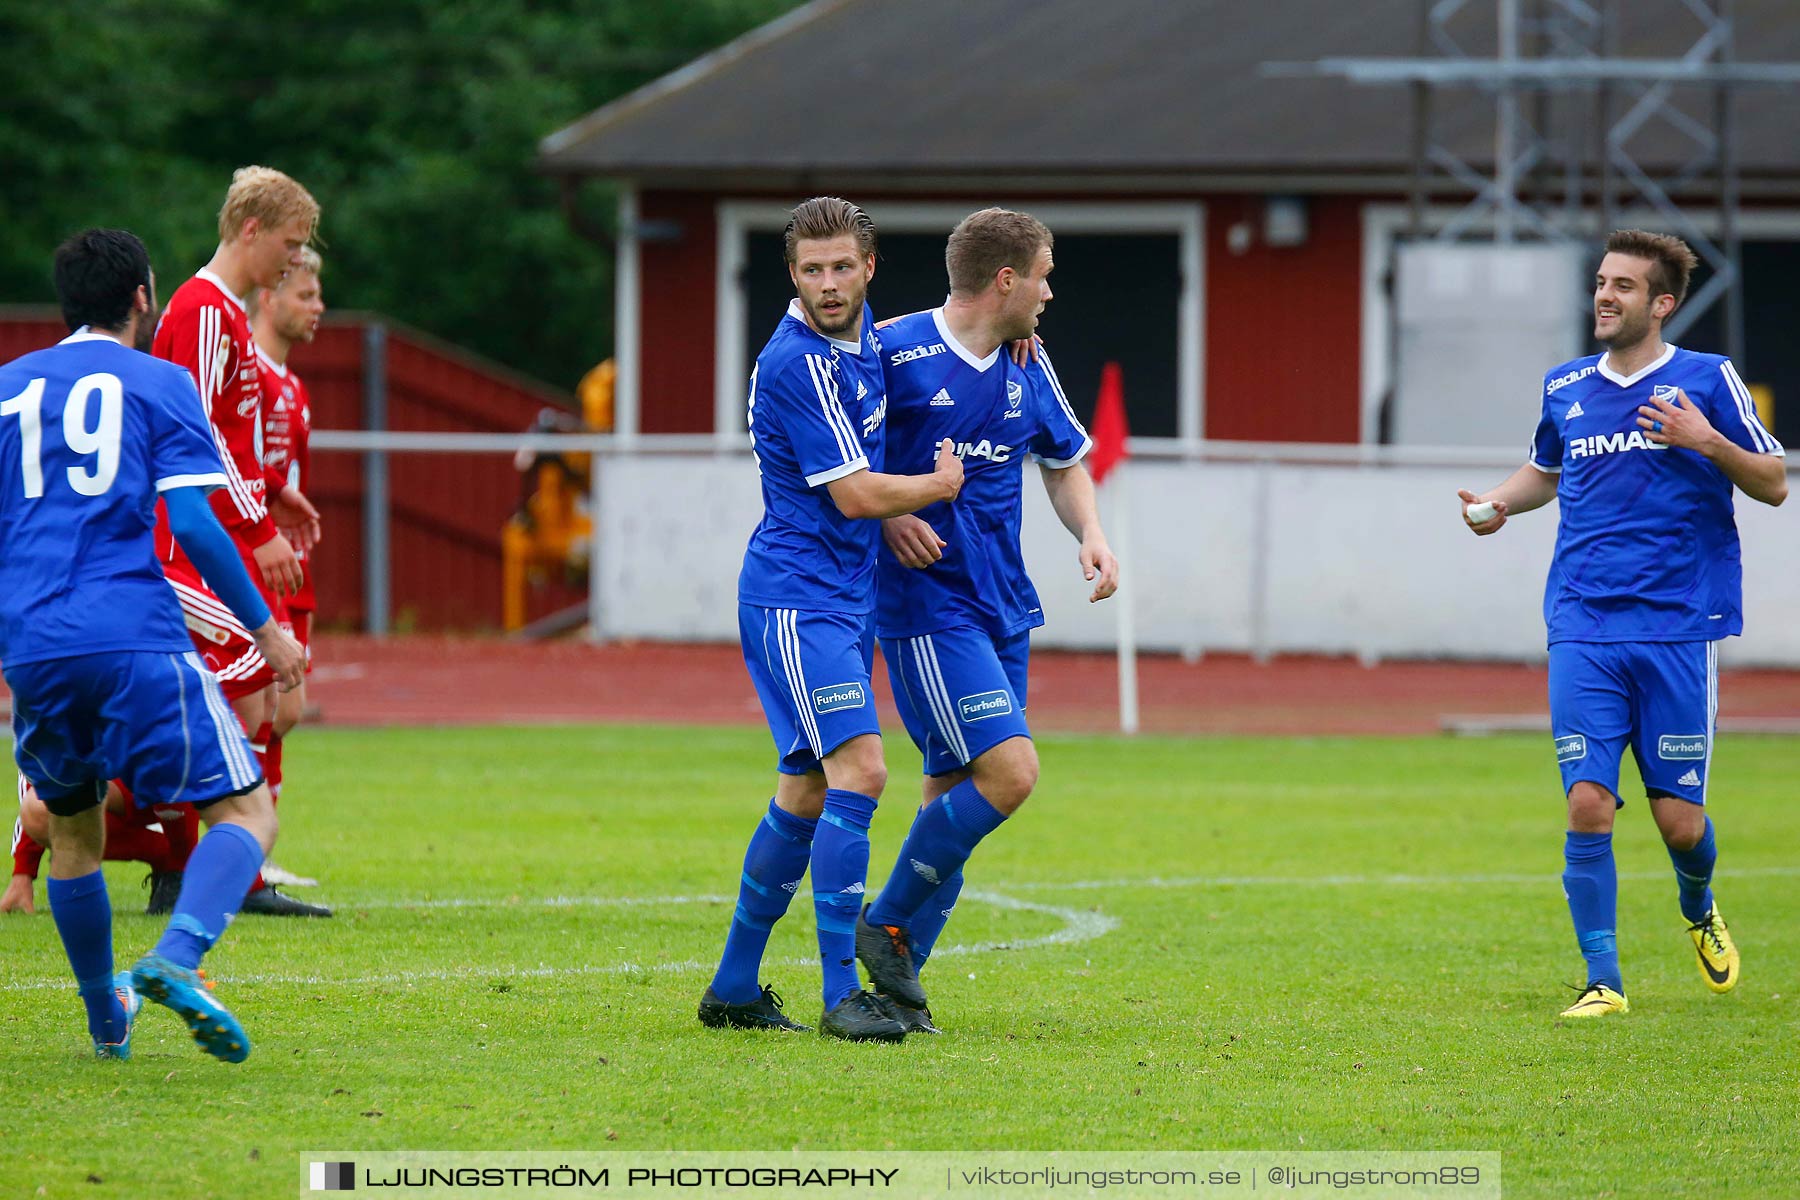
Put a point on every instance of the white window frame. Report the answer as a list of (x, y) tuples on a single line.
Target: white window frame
[(1384, 222), (1186, 220)]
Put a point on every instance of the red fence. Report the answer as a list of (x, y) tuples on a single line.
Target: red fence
[(446, 510)]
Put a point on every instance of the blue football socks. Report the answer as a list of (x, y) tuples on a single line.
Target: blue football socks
[(840, 864), (220, 871), (774, 865), (1694, 872), (929, 921), (941, 839), (1591, 883), (84, 922)]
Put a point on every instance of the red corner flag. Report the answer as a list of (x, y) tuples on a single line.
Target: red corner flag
[(1109, 431)]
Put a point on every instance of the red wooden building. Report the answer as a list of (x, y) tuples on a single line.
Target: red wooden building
[(1221, 230)]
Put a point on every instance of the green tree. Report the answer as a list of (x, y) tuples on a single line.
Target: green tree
[(415, 123)]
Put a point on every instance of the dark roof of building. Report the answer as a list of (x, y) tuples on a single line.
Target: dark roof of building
[(926, 93)]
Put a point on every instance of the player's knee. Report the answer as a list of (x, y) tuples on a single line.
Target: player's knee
[(1006, 775), (858, 766), (1591, 808)]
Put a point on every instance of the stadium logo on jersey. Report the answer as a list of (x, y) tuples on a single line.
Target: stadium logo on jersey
[(942, 399), (1676, 745), (873, 421), (1571, 749), (1574, 411), (837, 698), (1015, 397), (1562, 381), (983, 449), (983, 705), (917, 352), (1612, 443)]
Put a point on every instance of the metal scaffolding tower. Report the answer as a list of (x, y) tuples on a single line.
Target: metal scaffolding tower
[(1571, 116)]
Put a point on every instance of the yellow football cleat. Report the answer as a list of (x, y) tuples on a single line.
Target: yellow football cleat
[(1597, 1000), (1717, 952)]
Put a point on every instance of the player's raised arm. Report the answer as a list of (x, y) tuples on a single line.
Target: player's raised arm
[(873, 494)]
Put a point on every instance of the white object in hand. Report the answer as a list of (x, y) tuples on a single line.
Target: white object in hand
[(1481, 512)]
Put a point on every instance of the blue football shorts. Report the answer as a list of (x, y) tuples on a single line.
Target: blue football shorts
[(811, 672), (960, 693), (155, 719), (1660, 698)]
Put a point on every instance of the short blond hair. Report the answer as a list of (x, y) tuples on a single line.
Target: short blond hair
[(310, 264), (268, 195)]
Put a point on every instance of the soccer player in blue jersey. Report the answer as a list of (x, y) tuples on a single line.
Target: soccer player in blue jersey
[(105, 681), (955, 607), (817, 410), (1642, 446)]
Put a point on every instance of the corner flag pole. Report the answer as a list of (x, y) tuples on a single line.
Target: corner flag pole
[(1122, 600), (1108, 456)]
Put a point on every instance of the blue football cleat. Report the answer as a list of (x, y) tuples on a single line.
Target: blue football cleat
[(190, 995), (131, 1002)]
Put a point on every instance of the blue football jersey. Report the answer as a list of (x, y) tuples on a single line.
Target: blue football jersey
[(90, 432), (1647, 547), (817, 411), (998, 414)]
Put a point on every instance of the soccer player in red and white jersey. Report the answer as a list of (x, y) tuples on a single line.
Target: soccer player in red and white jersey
[(265, 222), (279, 317), (159, 836)]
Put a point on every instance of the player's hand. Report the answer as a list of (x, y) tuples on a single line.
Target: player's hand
[(1098, 564), (279, 566), (948, 468), (1025, 350), (17, 897), (1483, 528), (283, 654), (296, 517), (1676, 422), (914, 542)]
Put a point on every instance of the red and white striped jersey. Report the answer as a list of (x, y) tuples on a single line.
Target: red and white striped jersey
[(206, 329), (287, 458)]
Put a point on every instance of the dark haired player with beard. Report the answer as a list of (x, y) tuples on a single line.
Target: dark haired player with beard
[(817, 410), (104, 679), (1642, 446)]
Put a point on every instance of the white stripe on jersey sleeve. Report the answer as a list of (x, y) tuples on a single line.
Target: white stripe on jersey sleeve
[(1746, 406), (206, 367), (826, 387), (1056, 385), (211, 479), (849, 468), (240, 495)]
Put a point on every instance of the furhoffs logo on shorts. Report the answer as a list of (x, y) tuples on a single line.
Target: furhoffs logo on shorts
[(837, 697)]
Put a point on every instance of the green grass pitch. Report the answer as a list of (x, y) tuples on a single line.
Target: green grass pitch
[(1213, 944)]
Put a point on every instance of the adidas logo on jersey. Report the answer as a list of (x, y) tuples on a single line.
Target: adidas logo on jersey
[(862, 389), (942, 399), (1573, 412), (1691, 779)]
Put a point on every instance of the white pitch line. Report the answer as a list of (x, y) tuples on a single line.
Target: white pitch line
[(1201, 881), (1078, 926)]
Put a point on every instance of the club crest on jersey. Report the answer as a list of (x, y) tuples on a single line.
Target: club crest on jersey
[(1015, 398), (838, 697), (1665, 391), (984, 449), (1612, 443), (1571, 749)]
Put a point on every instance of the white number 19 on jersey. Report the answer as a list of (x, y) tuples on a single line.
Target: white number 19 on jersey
[(100, 442)]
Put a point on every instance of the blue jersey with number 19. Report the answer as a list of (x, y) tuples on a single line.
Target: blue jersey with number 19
[(1647, 546), (90, 432), (816, 413)]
